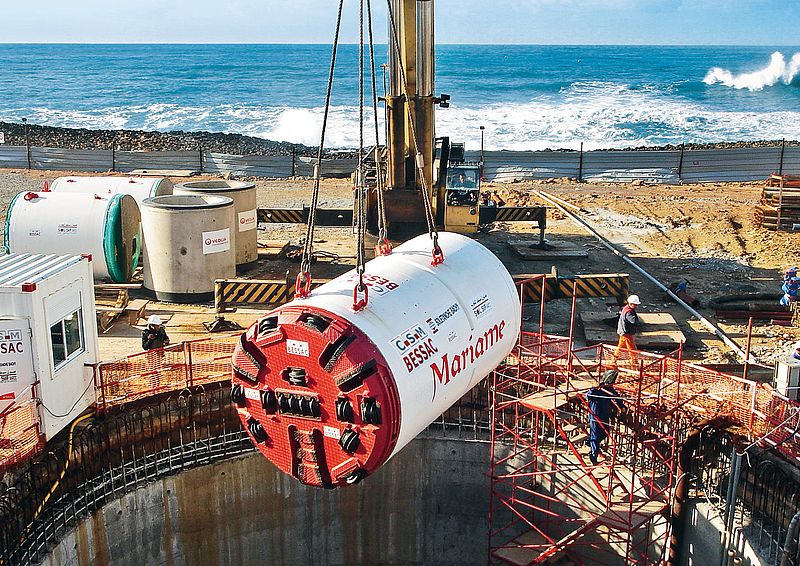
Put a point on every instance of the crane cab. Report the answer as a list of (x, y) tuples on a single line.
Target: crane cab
[(462, 198)]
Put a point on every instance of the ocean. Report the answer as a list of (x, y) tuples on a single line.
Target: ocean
[(527, 97)]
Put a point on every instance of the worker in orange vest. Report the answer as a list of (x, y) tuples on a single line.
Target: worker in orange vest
[(627, 326)]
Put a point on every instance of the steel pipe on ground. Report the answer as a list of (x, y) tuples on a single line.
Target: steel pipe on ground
[(612, 248)]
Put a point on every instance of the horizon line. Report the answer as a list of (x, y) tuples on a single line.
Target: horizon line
[(512, 44)]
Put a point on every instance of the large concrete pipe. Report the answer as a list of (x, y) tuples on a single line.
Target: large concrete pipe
[(244, 203), (189, 241)]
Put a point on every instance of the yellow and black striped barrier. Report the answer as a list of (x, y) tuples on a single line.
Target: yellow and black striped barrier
[(280, 215), (615, 285), (344, 216), (325, 216), (520, 214), (232, 293)]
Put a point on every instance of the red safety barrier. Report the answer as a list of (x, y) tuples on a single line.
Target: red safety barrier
[(19, 432), (767, 417), (168, 369)]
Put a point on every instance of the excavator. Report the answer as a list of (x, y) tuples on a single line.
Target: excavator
[(414, 161)]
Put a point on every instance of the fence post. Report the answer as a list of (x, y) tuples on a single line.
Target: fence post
[(27, 141), (187, 360), (580, 166), (680, 163), (114, 154), (200, 154), (294, 160), (783, 150)]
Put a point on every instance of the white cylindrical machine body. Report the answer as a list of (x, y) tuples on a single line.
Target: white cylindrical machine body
[(427, 336), (139, 188), (189, 242), (108, 227), (244, 202)]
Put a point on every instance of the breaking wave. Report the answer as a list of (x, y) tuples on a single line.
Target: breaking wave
[(778, 71), (598, 114)]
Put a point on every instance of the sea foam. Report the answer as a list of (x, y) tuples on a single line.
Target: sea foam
[(596, 113), (778, 71)]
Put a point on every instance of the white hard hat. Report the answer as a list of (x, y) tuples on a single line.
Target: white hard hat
[(634, 300), (154, 319)]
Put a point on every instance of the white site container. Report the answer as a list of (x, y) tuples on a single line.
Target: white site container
[(427, 336), (48, 335), (787, 379), (106, 226), (139, 188)]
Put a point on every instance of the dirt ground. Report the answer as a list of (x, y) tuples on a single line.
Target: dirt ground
[(704, 234)]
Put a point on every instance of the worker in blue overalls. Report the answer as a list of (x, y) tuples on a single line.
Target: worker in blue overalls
[(605, 403)]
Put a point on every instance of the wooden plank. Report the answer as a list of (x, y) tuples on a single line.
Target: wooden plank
[(523, 550), (528, 250), (272, 249), (544, 401), (658, 330), (136, 309), (620, 516), (164, 172)]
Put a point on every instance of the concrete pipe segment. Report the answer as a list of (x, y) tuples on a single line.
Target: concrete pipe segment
[(329, 394), (189, 241), (244, 202), (107, 227), (139, 188)]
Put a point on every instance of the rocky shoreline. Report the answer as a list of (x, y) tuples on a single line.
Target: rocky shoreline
[(137, 140), (236, 144)]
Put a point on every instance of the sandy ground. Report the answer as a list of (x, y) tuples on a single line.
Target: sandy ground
[(705, 234)]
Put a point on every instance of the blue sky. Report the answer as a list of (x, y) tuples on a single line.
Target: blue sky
[(746, 22)]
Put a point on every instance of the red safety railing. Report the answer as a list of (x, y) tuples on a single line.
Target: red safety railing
[(168, 369), (769, 418), (20, 437)]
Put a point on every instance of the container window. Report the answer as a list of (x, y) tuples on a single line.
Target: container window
[(72, 333), (57, 340), (66, 338)]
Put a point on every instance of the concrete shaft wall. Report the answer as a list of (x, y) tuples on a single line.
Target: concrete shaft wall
[(426, 506), (703, 544)]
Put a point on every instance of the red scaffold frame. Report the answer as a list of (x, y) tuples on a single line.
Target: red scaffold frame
[(550, 502)]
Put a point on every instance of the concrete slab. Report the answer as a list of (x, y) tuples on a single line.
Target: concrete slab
[(553, 249), (164, 172), (659, 330), (272, 249)]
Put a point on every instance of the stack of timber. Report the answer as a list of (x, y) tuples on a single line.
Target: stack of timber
[(779, 208), (110, 303)]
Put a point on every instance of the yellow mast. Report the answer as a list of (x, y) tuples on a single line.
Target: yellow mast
[(410, 100)]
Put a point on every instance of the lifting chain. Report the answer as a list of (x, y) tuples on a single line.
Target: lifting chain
[(383, 247), (360, 294), (438, 256)]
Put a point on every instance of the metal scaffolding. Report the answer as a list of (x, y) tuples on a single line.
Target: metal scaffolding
[(549, 501), (550, 504)]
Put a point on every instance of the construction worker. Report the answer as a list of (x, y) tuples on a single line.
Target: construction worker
[(791, 290), (627, 326), (604, 404), (154, 336)]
